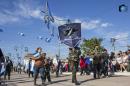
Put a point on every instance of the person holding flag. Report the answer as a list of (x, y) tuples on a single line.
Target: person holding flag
[(70, 34), (74, 54), (39, 65)]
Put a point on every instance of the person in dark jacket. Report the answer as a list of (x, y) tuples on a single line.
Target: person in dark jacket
[(9, 65), (74, 54), (47, 71), (96, 65)]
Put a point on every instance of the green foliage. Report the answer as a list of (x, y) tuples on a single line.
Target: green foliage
[(92, 45)]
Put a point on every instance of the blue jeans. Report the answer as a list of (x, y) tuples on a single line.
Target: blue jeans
[(38, 70)]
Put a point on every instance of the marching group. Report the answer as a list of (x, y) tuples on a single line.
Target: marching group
[(97, 63)]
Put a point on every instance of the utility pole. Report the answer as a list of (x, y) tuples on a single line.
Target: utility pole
[(59, 50), (113, 40)]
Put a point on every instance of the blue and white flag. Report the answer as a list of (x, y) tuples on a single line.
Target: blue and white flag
[(2, 65), (32, 66), (70, 34), (2, 69), (48, 18), (36, 54)]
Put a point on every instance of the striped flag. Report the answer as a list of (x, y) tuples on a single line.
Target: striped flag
[(48, 18), (2, 60), (2, 69)]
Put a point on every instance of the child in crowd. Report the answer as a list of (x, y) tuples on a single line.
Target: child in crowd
[(47, 71)]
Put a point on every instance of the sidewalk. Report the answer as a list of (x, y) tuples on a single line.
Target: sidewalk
[(123, 73), (116, 73)]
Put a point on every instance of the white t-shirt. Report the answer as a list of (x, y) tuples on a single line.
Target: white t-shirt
[(125, 58), (119, 60)]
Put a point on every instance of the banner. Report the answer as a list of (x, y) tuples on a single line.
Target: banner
[(70, 34)]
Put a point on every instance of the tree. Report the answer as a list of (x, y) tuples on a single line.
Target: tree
[(92, 45)]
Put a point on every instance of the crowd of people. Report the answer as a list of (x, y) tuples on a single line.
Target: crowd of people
[(100, 64), (104, 63)]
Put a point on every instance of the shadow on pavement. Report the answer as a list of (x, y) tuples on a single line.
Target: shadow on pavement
[(118, 76), (59, 81), (20, 81), (61, 76), (12, 84), (102, 78), (19, 78), (87, 80), (53, 82)]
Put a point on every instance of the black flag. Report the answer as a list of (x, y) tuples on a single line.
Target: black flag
[(70, 34)]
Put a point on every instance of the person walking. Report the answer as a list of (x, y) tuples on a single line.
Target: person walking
[(96, 65), (104, 63), (88, 64), (47, 71), (74, 54), (39, 66), (19, 68), (8, 68), (58, 68), (82, 65), (30, 72)]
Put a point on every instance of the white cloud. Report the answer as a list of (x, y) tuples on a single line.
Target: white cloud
[(4, 18), (36, 14), (94, 24), (24, 10), (60, 20), (89, 25), (105, 25), (118, 35), (122, 37)]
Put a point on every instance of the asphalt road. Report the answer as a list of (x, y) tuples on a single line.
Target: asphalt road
[(65, 80)]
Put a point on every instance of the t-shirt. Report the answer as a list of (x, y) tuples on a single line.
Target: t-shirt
[(125, 59), (119, 60)]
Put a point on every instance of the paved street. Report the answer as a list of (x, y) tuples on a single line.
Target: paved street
[(65, 80)]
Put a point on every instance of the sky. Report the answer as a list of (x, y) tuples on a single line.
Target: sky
[(98, 18)]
